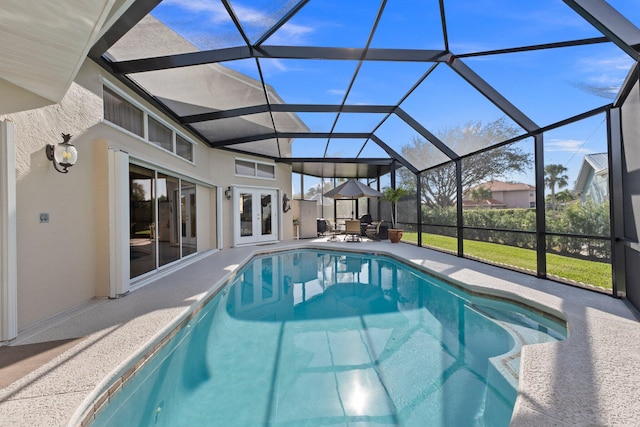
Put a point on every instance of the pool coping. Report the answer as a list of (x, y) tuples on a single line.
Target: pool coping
[(589, 379)]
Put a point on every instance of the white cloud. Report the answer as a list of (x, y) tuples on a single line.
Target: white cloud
[(290, 34), (607, 72), (337, 92), (272, 66), (620, 62), (567, 145)]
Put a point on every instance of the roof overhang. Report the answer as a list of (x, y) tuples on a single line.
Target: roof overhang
[(45, 43)]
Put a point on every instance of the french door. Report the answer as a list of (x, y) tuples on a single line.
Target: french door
[(255, 215)]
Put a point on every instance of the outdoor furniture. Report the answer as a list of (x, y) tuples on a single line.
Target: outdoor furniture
[(352, 230), (372, 230), (322, 226), (378, 230), (333, 230), (365, 220)]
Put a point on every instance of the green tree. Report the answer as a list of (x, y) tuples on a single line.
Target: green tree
[(439, 184), (138, 193), (562, 198), (554, 176), (316, 191)]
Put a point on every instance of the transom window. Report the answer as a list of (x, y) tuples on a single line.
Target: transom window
[(124, 114), (255, 169), (184, 148), (160, 135), (120, 112)]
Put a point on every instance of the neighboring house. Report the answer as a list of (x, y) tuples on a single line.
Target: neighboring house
[(593, 179), (504, 195)]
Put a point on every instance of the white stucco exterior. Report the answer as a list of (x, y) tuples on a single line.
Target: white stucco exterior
[(66, 261)]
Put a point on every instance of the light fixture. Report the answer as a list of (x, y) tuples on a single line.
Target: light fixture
[(227, 193), (62, 155)]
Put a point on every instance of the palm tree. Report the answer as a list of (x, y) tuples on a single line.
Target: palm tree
[(481, 193), (393, 195), (554, 175)]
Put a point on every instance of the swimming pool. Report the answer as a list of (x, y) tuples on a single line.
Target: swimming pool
[(334, 338)]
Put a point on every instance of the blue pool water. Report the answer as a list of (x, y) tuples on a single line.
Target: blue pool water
[(319, 338)]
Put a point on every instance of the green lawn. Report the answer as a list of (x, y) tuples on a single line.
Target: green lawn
[(588, 272)]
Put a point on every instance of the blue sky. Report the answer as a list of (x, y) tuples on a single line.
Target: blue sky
[(547, 86)]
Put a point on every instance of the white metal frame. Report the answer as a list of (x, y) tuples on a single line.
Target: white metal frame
[(8, 237)]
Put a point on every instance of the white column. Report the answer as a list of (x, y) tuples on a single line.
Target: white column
[(219, 225), (119, 267), (8, 238)]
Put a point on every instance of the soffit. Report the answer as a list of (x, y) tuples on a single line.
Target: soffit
[(44, 43), (330, 168)]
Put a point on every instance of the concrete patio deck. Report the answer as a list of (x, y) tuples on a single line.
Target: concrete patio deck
[(590, 379)]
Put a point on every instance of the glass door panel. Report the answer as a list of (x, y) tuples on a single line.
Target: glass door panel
[(188, 217), (142, 226), (168, 243), (246, 214), (265, 222)]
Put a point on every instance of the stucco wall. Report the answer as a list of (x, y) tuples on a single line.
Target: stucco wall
[(56, 260), (65, 262), (517, 199)]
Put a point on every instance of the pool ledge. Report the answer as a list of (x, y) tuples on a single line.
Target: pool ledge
[(589, 379)]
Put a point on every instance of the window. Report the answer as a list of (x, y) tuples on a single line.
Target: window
[(266, 171), (184, 148), (245, 168), (255, 169), (160, 135), (122, 113)]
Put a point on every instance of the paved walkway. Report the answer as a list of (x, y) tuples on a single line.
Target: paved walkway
[(590, 379)]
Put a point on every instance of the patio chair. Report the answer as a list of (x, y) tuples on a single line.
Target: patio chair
[(333, 231), (322, 226), (378, 230), (352, 230), (372, 230), (365, 220)]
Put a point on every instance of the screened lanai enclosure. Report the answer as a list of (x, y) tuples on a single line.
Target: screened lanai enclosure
[(512, 125)]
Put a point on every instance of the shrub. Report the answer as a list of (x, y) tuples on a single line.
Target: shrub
[(583, 219)]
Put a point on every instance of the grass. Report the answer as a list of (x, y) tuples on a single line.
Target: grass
[(578, 270)]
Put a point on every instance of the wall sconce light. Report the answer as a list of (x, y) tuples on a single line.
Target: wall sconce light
[(62, 155), (227, 193)]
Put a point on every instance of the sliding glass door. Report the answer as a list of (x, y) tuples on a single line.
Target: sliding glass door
[(162, 219)]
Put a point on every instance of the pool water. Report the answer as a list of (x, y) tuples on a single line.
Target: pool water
[(321, 338)]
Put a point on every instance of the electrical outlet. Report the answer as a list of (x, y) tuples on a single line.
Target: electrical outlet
[(44, 217)]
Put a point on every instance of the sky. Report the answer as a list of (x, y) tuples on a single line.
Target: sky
[(547, 86)]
